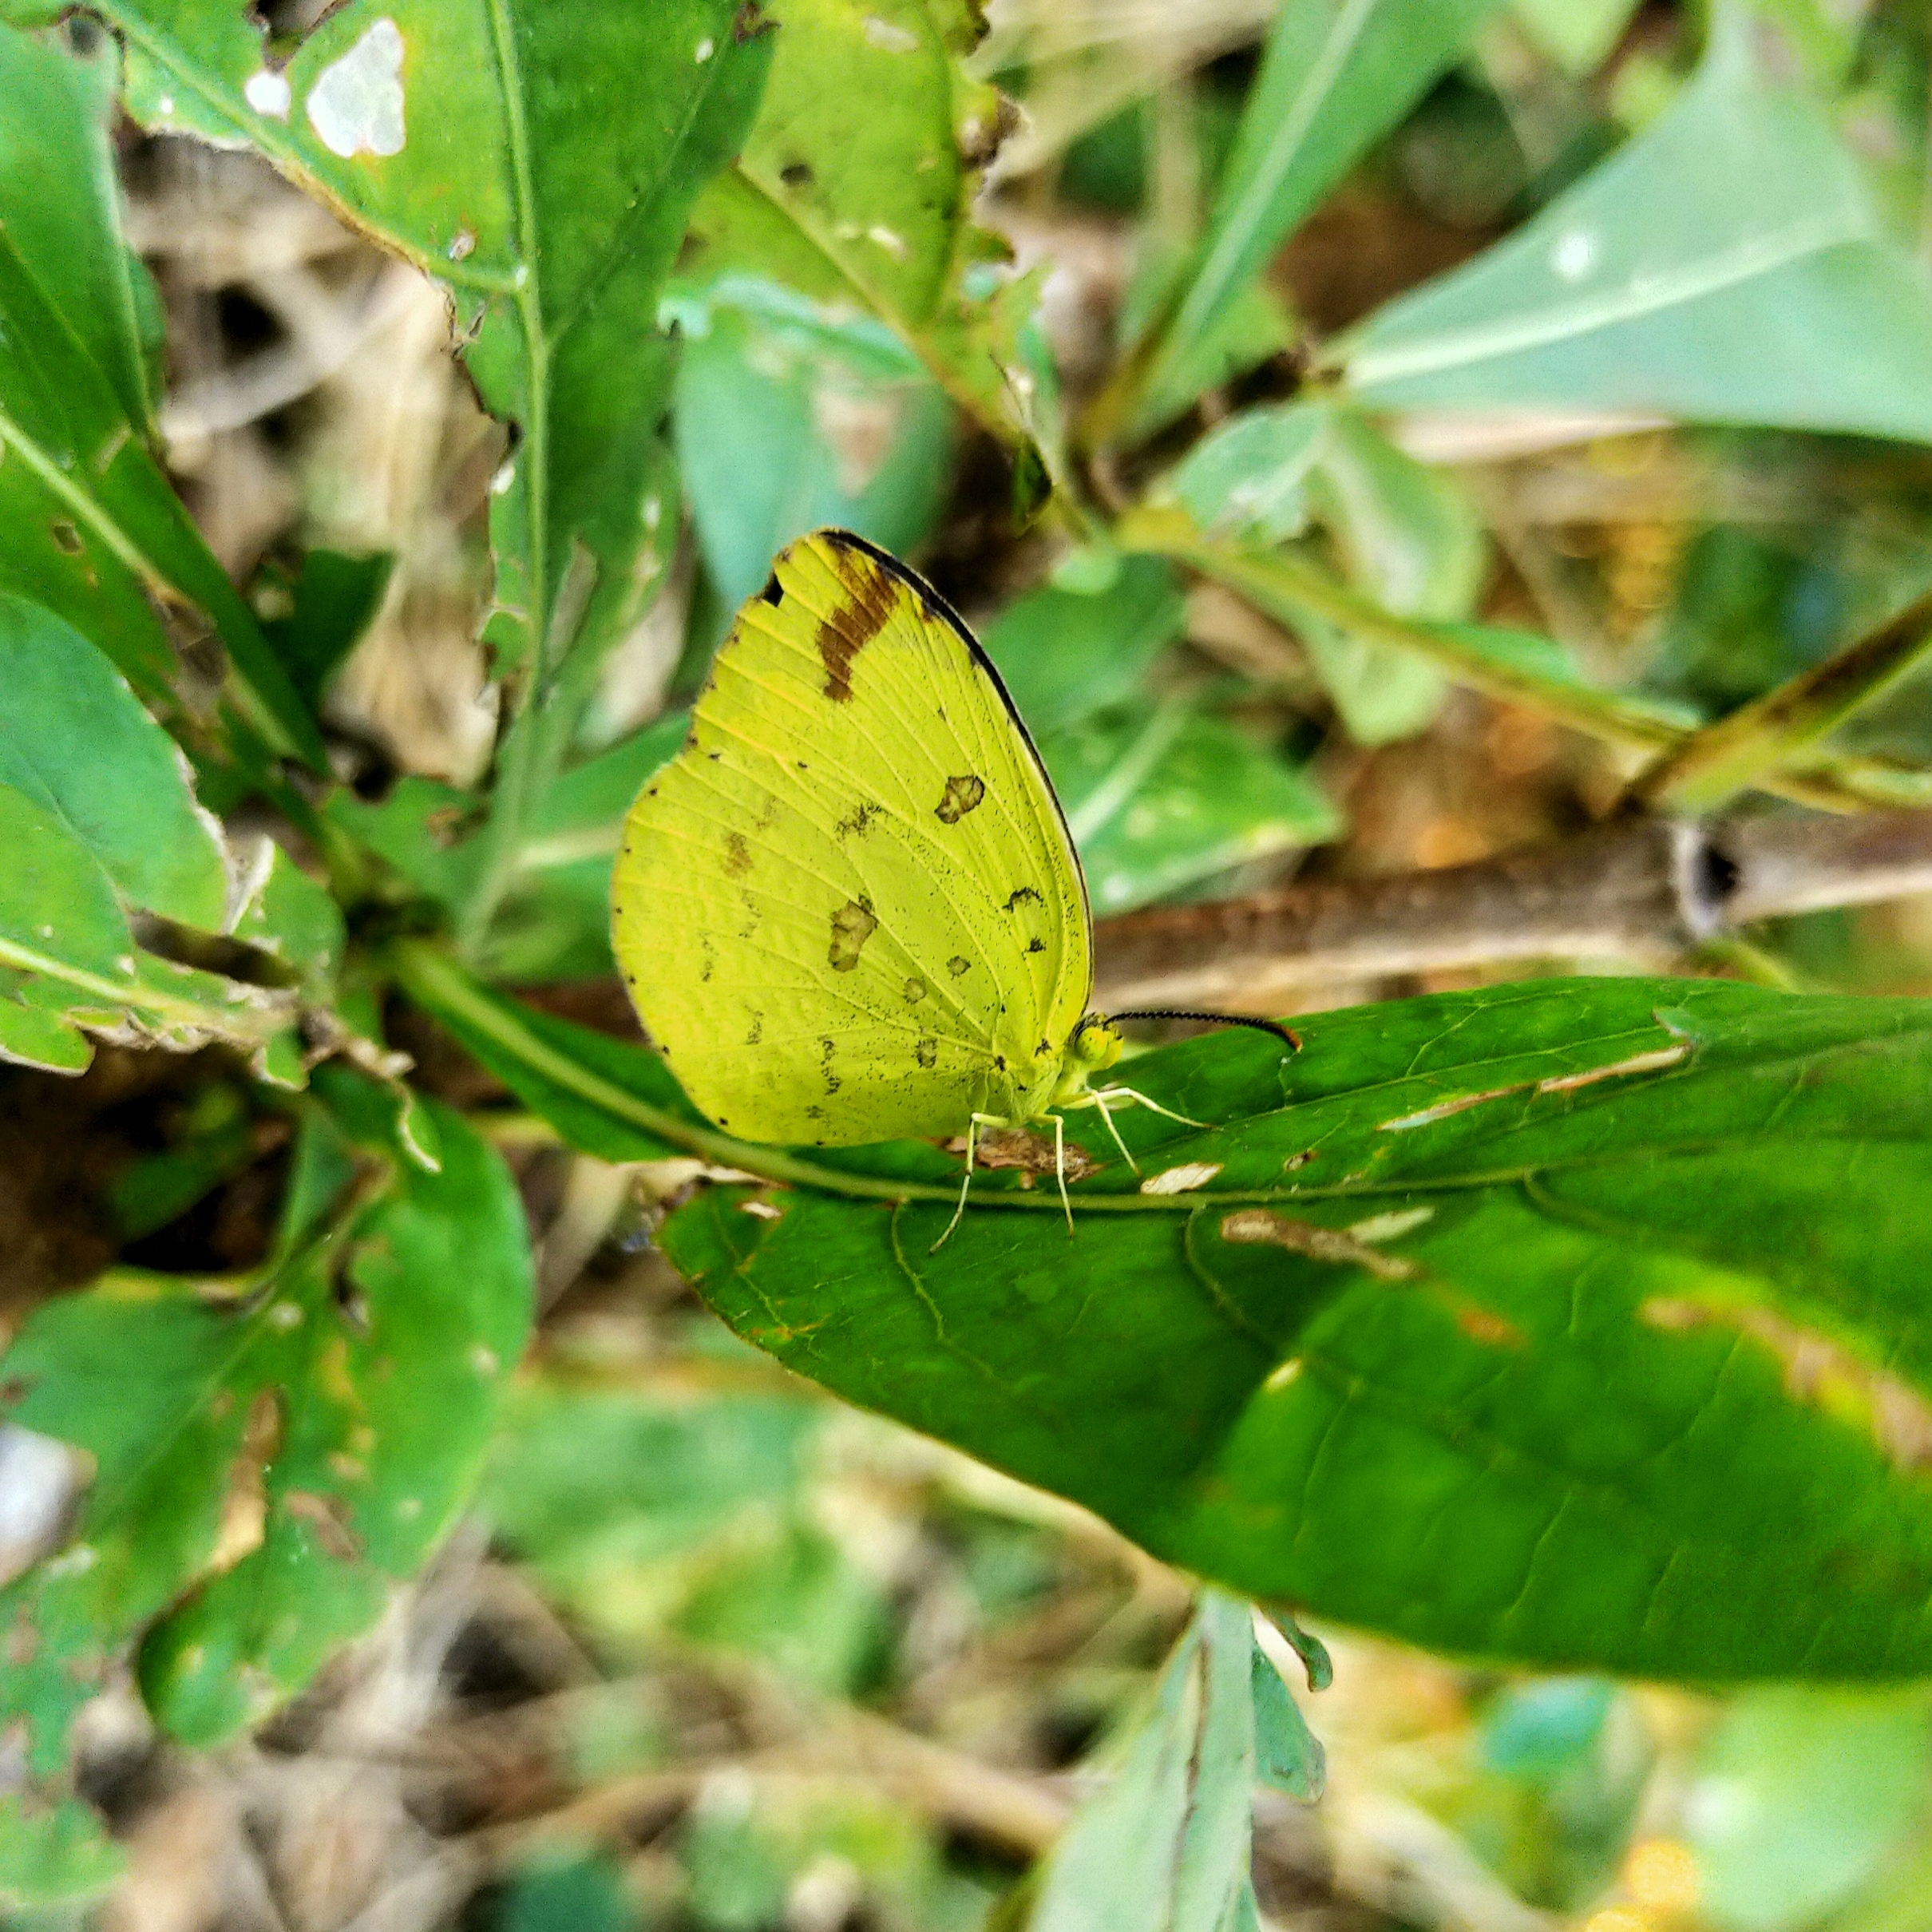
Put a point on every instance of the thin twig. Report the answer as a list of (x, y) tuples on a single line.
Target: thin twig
[(1634, 889)]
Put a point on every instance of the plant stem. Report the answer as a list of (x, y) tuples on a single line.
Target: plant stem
[(1742, 750), (1286, 587), (1634, 888)]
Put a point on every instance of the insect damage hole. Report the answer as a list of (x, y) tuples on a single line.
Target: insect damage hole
[(852, 925), (961, 796)]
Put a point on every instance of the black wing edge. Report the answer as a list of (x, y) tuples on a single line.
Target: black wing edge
[(850, 539)]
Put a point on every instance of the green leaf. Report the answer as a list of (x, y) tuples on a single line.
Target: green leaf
[(1158, 797), (1491, 1304), (556, 922), (263, 1460), (782, 428), (1696, 274), (610, 1098), (1288, 1756), (1799, 1798), (58, 911), (285, 912), (1166, 1847), (61, 203), (424, 829), (68, 962), (1247, 477), (1578, 35), (1112, 1869), (872, 209), (1404, 534), (316, 616), (1412, 540), (95, 532), (1337, 75), (1064, 654), (51, 1851), (78, 742)]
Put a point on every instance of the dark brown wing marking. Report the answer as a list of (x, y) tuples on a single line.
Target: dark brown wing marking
[(844, 634)]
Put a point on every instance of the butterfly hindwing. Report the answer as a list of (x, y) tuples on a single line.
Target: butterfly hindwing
[(848, 910)]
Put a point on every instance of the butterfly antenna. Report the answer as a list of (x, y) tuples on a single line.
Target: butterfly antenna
[(1280, 1032)]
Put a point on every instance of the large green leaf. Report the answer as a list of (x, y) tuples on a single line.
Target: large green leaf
[(263, 1460), (94, 531), (74, 738), (1337, 75), (1728, 266), (1577, 1323), (855, 187)]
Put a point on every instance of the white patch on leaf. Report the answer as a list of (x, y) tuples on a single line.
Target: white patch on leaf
[(267, 93), (1182, 1180), (1387, 1227), (355, 106), (1638, 1063), (893, 39)]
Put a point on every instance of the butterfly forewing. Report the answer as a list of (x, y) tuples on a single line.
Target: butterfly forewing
[(848, 909)]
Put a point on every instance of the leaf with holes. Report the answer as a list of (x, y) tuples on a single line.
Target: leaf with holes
[(265, 1458), (539, 162), (1575, 1324)]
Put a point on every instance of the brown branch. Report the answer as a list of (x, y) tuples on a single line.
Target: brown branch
[(1634, 889)]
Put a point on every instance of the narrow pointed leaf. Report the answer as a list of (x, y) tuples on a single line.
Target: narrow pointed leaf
[(1338, 74)]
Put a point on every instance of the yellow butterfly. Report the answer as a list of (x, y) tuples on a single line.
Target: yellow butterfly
[(848, 909)]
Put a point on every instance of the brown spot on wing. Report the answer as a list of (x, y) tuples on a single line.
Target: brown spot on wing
[(869, 595), (852, 925), (961, 796), (737, 855)]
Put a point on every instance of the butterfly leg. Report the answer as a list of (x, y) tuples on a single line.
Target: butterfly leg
[(972, 1142), (1140, 1099), (1060, 1168), (1106, 1115)]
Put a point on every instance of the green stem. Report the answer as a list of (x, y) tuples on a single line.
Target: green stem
[(441, 985), (1286, 588), (1745, 748)]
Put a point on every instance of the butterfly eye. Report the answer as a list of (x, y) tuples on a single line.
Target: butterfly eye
[(1094, 1042)]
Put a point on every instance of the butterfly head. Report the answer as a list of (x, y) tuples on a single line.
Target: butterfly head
[(1093, 1046)]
